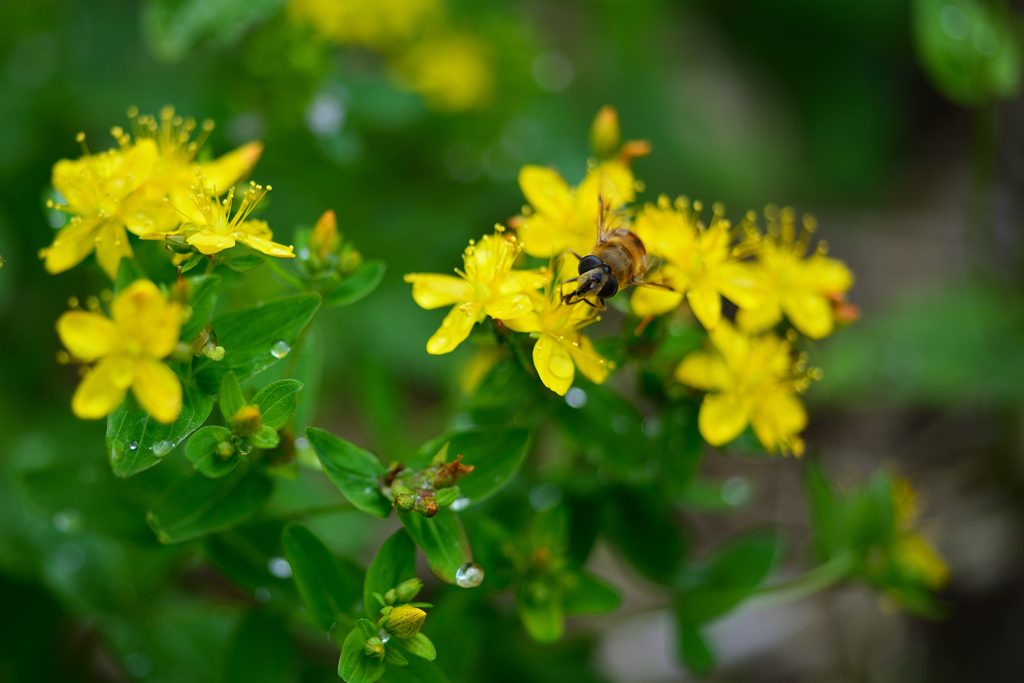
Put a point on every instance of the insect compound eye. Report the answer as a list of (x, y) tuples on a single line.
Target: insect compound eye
[(589, 263), (610, 288)]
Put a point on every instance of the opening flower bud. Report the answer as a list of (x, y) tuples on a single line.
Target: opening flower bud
[(246, 422), (407, 590), (404, 621), (605, 132), (324, 239)]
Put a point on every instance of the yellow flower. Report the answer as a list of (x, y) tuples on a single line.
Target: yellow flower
[(175, 170), (802, 288), (754, 381), (451, 70), (561, 347), (700, 262), (215, 230), (488, 287), (562, 217), (127, 349), (102, 192), (912, 551), (379, 24)]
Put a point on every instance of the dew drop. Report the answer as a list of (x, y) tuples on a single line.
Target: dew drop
[(133, 446), (469, 575), (162, 448), (280, 349), (460, 503), (279, 567)]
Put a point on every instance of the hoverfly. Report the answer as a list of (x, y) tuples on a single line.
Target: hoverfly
[(617, 261)]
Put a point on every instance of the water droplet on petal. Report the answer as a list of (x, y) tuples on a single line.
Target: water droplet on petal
[(280, 349), (162, 448), (469, 575)]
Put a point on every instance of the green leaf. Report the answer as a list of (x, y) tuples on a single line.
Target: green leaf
[(267, 437), (831, 536), (442, 540), (394, 563), (420, 646), (694, 650), (203, 291), (587, 594), (201, 451), (250, 338), (355, 471), (245, 554), (446, 497), (358, 285), (539, 605), (262, 651), (494, 452), (393, 656), (608, 428), (192, 262), (128, 271), (640, 526), (727, 578), (277, 401), (355, 666), (231, 399), (326, 590), (241, 262), (135, 441), (197, 506), (418, 671), (173, 27)]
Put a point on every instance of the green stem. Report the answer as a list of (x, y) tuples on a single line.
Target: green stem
[(818, 579), (323, 510), (211, 263), (279, 270)]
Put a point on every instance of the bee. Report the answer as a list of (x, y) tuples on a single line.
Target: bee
[(617, 261)]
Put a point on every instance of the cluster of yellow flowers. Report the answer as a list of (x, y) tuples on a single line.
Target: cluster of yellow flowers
[(752, 375), (151, 186), (451, 69)]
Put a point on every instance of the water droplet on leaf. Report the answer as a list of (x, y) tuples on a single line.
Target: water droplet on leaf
[(280, 349), (162, 448), (133, 446), (460, 503), (469, 575)]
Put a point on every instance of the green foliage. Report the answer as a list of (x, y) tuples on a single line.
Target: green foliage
[(262, 651), (197, 506), (356, 472), (327, 591), (443, 541)]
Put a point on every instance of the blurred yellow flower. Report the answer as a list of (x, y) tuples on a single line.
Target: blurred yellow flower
[(752, 380), (562, 217), (561, 347), (912, 552), (488, 287), (214, 229), (379, 24), (127, 349), (175, 170), (700, 262), (802, 288), (101, 191), (452, 71)]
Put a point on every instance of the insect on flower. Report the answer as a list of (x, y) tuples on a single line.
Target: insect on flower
[(618, 260)]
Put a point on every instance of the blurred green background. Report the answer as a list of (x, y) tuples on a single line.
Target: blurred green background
[(898, 124)]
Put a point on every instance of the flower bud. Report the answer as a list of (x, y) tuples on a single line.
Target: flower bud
[(404, 621), (225, 449), (178, 244), (324, 239), (605, 131), (374, 647), (246, 422), (407, 590)]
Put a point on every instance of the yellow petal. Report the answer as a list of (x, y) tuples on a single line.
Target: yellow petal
[(111, 246), (612, 181), (433, 291), (721, 418), (148, 214), (103, 388), (829, 275), (778, 418), (810, 312), (706, 304), (545, 236), (651, 301), (554, 364), (530, 322), (916, 554), (87, 336), (593, 366), (453, 331), (546, 190), (74, 242), (509, 307), (146, 318), (738, 283), (210, 243), (703, 370), (227, 170), (760, 317), (157, 390), (265, 246), (524, 280)]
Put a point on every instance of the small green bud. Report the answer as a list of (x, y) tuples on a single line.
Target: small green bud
[(605, 132), (246, 422), (178, 244), (225, 449), (407, 590), (404, 621), (405, 502), (389, 597), (374, 647)]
